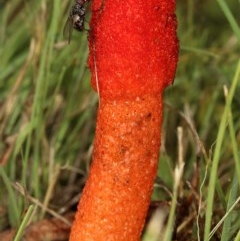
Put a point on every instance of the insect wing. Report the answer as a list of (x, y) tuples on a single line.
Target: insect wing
[(67, 30)]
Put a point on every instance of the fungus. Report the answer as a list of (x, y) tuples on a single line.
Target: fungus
[(133, 57)]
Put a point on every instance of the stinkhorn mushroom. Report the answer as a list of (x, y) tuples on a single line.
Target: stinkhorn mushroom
[(133, 57)]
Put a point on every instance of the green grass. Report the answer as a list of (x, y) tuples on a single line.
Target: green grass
[(48, 113)]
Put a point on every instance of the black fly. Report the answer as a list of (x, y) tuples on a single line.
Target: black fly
[(75, 19)]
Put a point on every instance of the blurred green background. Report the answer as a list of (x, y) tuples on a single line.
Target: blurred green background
[(48, 113)]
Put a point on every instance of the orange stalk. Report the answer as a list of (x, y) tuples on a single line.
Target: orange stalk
[(133, 57)]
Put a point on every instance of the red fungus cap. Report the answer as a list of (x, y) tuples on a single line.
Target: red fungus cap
[(144, 57)]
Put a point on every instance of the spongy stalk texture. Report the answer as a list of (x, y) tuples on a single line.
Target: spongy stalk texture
[(116, 197)]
